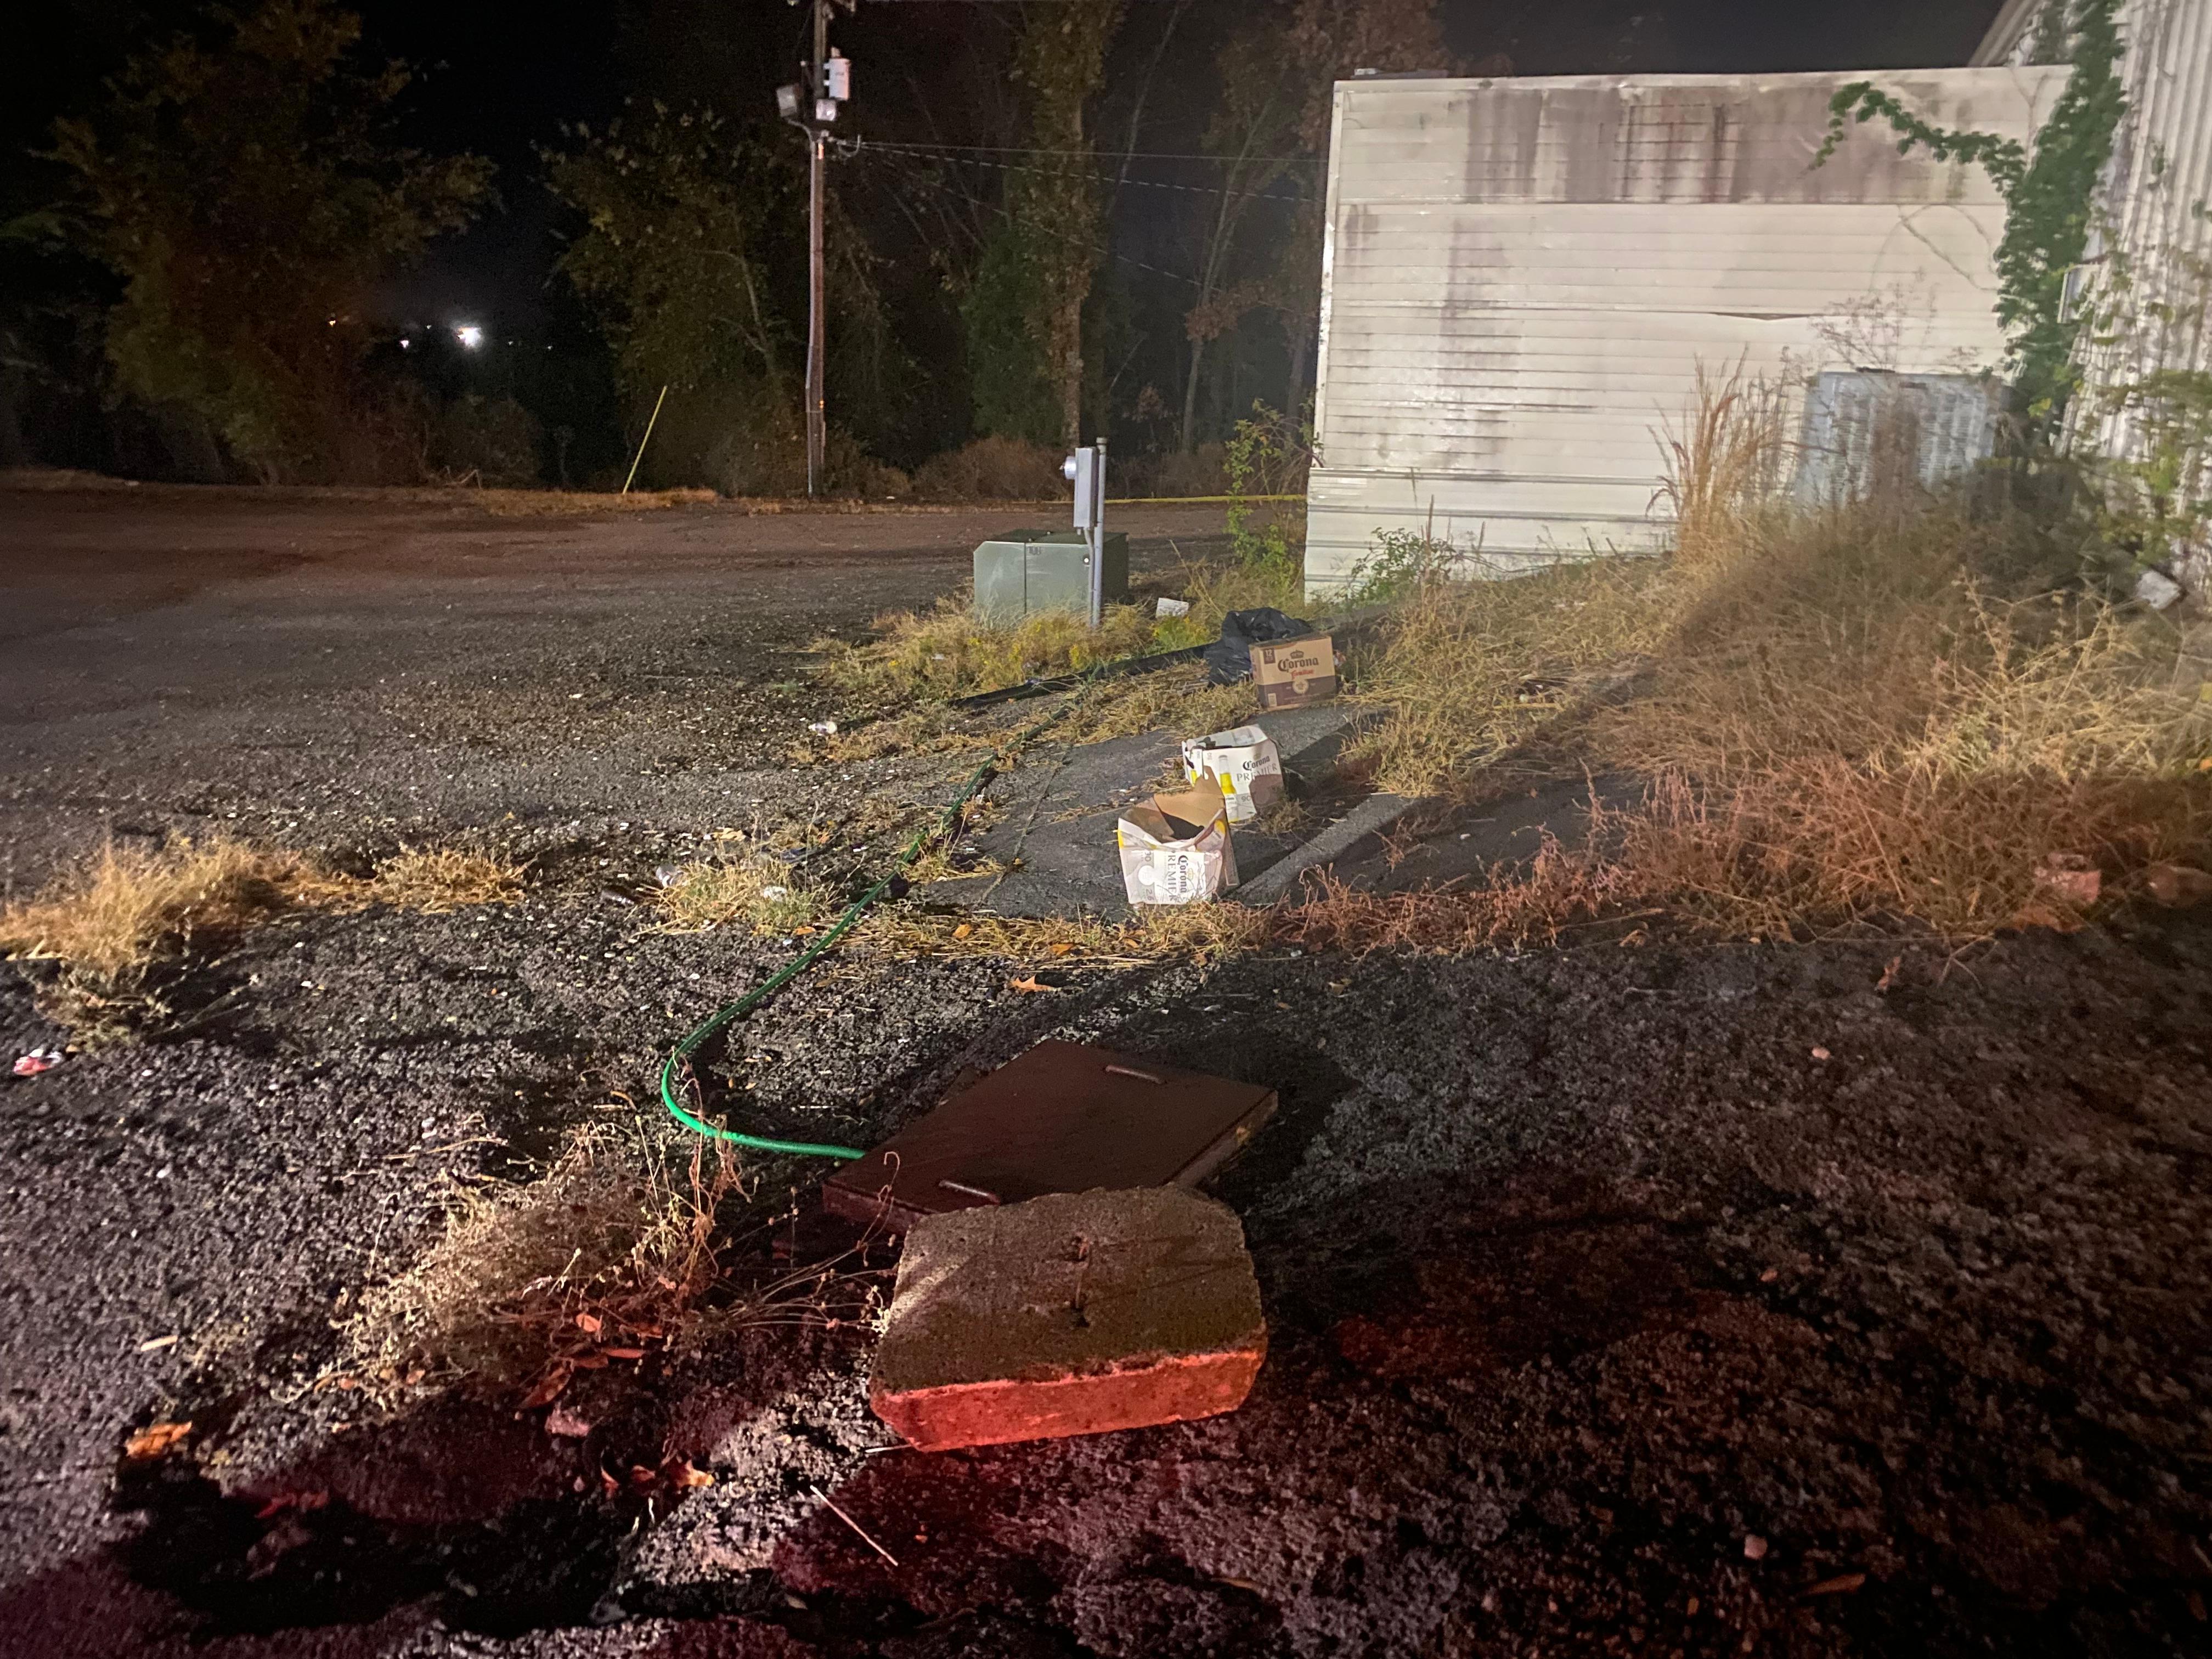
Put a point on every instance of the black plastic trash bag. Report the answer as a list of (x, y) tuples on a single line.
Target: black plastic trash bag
[(1228, 658)]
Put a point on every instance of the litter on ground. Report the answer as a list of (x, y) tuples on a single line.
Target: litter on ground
[(1242, 764), (1296, 673), (1175, 849)]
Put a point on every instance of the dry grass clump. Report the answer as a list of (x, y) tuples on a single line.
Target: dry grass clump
[(1818, 843), (943, 653), (761, 892), (1177, 699), (1846, 723), (1213, 590), (946, 652), (931, 730), (604, 1256), (941, 863), (1723, 463), (111, 919), (1470, 666), (608, 1257), (564, 503), (1851, 723), (1478, 657), (1517, 908), (436, 880), (116, 923), (1891, 710)]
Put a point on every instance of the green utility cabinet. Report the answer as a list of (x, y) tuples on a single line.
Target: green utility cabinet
[(1030, 570)]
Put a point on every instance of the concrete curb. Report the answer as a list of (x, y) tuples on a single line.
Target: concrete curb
[(1375, 813)]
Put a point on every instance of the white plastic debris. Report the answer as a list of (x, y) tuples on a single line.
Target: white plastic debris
[(774, 893), (1175, 849), (1167, 607), (822, 728), (2158, 590), (1242, 764)]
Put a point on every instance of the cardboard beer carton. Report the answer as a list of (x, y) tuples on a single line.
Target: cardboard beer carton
[(1292, 673), (1175, 849), (1242, 764)]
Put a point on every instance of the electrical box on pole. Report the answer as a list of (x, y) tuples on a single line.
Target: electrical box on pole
[(1025, 572), (1086, 470)]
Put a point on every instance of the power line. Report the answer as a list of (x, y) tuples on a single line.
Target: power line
[(950, 155), (991, 207), (1016, 149)]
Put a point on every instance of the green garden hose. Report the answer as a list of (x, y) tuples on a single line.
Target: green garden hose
[(679, 1057)]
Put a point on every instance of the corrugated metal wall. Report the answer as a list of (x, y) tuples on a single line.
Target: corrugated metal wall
[(1867, 431), (1522, 277), (2156, 194)]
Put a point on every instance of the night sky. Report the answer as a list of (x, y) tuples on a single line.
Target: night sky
[(500, 79), (503, 78)]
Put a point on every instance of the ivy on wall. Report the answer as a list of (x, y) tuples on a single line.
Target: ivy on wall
[(2049, 193)]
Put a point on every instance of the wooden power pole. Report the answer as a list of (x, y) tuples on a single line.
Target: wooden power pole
[(818, 431), (811, 106)]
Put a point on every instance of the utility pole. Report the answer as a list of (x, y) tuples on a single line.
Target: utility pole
[(811, 105)]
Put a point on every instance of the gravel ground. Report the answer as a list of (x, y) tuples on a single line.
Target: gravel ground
[(1844, 1299)]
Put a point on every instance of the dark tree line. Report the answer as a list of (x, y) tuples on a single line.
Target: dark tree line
[(1047, 222)]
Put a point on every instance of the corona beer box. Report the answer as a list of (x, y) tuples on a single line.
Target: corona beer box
[(1291, 673), (1175, 849), (1242, 764)]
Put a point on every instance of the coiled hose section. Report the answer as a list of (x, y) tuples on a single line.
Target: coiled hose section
[(676, 1069)]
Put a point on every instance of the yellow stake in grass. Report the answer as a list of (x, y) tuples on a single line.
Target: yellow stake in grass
[(645, 439)]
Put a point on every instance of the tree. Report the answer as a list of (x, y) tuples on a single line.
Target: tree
[(1009, 373), (1279, 80), (243, 185), (670, 259), (687, 226), (1055, 206), (1251, 128)]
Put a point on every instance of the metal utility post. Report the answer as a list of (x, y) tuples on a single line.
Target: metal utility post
[(1086, 470), (810, 105)]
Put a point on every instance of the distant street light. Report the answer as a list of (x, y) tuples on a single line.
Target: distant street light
[(469, 335)]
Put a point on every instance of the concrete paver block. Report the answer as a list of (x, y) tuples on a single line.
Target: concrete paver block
[(1076, 1313), (1065, 1117)]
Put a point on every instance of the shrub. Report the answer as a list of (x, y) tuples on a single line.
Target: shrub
[(993, 469), (494, 439), (1200, 473)]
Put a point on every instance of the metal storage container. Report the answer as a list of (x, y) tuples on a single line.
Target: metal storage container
[(1030, 570)]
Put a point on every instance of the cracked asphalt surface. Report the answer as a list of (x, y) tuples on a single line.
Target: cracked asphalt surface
[(1810, 1300)]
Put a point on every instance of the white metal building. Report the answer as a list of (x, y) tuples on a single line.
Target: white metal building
[(1522, 277)]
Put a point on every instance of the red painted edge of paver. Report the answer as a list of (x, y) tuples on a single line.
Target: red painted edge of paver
[(1175, 1389)]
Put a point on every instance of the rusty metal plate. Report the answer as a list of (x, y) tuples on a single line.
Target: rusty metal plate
[(1063, 1118)]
